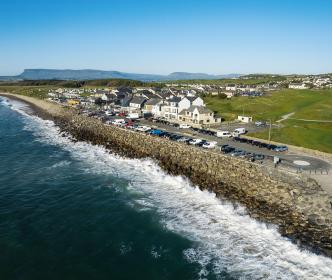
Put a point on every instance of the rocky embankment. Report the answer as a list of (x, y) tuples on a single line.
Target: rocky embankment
[(302, 210)]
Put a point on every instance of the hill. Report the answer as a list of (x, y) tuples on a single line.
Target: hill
[(91, 74)]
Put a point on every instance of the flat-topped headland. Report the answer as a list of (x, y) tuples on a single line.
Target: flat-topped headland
[(301, 209)]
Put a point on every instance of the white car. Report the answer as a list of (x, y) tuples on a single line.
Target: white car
[(210, 145), (118, 122), (143, 128), (184, 125), (195, 141)]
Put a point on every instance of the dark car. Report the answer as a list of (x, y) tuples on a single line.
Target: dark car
[(272, 147), (175, 137), (223, 147), (228, 150), (281, 149), (259, 157), (201, 143)]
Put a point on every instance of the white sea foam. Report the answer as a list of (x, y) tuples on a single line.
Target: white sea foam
[(225, 237), (62, 163)]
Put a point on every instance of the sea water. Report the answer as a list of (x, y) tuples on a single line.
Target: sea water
[(71, 210)]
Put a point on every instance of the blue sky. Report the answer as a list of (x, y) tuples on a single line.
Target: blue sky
[(163, 36)]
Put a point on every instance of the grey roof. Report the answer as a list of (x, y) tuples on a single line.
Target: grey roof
[(175, 99), (201, 110), (138, 100), (153, 101), (191, 98)]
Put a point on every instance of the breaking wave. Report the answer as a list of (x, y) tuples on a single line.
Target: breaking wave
[(225, 237)]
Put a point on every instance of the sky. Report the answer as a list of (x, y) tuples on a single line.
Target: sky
[(164, 36)]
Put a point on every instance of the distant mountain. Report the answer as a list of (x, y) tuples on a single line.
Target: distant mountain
[(90, 74)]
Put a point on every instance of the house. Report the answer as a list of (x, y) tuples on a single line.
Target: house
[(170, 108), (137, 102), (199, 115), (188, 101), (231, 87), (244, 119), (153, 106)]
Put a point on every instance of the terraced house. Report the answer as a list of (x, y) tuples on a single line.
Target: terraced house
[(198, 115)]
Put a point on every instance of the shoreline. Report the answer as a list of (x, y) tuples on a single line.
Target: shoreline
[(300, 209)]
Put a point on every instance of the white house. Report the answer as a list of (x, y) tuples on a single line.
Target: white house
[(199, 115), (137, 102), (231, 88), (188, 101), (170, 108)]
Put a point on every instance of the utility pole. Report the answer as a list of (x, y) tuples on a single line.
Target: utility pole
[(270, 130)]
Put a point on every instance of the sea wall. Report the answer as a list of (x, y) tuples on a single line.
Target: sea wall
[(302, 210)]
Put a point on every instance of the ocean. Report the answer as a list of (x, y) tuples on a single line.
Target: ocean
[(71, 210)]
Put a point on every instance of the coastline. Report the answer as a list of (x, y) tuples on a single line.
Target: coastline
[(300, 209)]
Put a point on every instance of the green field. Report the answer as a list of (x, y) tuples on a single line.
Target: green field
[(306, 104), (33, 91)]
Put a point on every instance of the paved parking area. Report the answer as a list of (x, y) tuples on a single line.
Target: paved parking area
[(290, 160)]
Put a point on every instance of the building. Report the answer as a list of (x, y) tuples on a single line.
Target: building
[(137, 102), (298, 86), (198, 115), (244, 119), (153, 106), (170, 109), (188, 101)]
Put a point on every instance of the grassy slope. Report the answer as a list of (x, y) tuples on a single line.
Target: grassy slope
[(307, 104), (33, 91)]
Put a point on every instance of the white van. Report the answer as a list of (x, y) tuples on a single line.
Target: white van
[(240, 130), (224, 134)]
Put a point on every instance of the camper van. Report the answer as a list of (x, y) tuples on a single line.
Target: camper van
[(224, 134)]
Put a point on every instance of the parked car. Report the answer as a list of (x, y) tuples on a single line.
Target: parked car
[(223, 147), (195, 141), (143, 128), (223, 134), (260, 123), (183, 139), (175, 137), (209, 145), (237, 152), (281, 149), (184, 125), (156, 132), (259, 157), (228, 149), (202, 143)]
